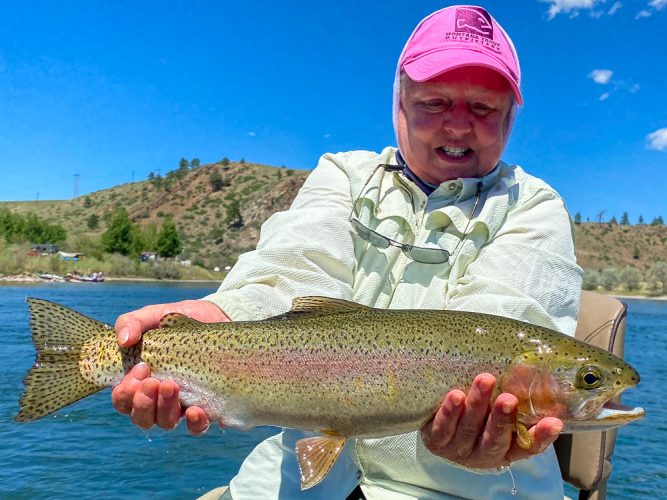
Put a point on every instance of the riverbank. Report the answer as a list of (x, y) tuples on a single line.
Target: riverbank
[(31, 278)]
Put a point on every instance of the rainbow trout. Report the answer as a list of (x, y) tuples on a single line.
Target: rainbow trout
[(340, 368)]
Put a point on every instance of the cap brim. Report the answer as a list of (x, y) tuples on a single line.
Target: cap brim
[(436, 63)]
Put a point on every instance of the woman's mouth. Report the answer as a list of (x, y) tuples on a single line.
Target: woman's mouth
[(454, 153)]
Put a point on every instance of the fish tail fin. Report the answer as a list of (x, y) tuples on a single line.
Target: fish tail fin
[(55, 380)]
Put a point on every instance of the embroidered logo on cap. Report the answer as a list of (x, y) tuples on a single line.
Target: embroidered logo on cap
[(473, 25), (474, 20)]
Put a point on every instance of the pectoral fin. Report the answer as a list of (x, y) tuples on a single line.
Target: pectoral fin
[(316, 456), (523, 438)]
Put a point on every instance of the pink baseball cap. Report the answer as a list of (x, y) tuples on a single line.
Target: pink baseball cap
[(458, 36)]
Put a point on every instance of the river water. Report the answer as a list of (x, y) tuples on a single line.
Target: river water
[(88, 450)]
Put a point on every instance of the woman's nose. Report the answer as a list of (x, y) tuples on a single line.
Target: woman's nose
[(458, 120)]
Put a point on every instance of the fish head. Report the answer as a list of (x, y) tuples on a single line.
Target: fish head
[(574, 382)]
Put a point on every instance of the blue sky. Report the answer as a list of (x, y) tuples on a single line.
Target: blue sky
[(114, 90)]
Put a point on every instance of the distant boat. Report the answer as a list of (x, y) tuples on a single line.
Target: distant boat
[(50, 277), (86, 278)]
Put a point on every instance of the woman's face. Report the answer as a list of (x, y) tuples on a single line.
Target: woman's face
[(454, 125)]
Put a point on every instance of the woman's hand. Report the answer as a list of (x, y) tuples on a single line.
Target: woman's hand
[(147, 400), (472, 432)]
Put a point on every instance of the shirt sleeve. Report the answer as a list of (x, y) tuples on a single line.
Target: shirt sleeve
[(306, 250), (528, 270)]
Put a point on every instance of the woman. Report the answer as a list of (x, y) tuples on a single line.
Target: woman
[(440, 222)]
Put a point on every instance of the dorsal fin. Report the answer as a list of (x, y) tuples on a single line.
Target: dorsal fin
[(172, 320), (303, 307)]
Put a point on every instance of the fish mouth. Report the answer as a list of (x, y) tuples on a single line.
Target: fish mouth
[(609, 416)]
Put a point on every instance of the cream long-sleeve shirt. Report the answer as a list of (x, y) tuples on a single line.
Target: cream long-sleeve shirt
[(515, 259)]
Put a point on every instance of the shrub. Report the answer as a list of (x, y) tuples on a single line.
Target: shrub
[(166, 270), (609, 278), (591, 279), (121, 265), (656, 278), (630, 277)]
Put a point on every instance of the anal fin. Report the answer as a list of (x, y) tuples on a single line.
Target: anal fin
[(316, 455)]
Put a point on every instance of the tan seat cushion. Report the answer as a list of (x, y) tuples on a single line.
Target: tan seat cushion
[(585, 458)]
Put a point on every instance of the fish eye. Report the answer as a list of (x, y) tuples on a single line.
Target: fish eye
[(589, 377)]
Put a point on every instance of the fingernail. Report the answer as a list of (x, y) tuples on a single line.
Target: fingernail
[(140, 371), (124, 336), (507, 407), (167, 391), (457, 400), (554, 433), (485, 386)]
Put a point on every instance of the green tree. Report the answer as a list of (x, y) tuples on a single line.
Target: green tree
[(233, 218), (613, 220), (93, 222), (118, 236), (17, 228), (143, 238), (625, 219), (195, 163), (168, 242), (658, 221), (87, 202), (156, 180), (183, 164), (225, 162), (640, 220), (36, 230)]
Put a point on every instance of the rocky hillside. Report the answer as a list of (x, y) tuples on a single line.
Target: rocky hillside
[(613, 245), (200, 200)]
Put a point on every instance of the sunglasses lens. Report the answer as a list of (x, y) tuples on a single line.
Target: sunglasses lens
[(375, 239), (427, 255)]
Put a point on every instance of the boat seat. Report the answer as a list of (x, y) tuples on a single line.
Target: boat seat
[(585, 458)]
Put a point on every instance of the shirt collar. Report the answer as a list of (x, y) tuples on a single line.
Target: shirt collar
[(459, 189)]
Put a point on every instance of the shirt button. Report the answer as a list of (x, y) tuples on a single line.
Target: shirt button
[(359, 474), (452, 187)]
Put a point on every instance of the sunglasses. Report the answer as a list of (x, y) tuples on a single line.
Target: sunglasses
[(424, 255)]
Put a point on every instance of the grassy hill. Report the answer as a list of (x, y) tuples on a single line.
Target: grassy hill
[(198, 203), (612, 245), (199, 200)]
